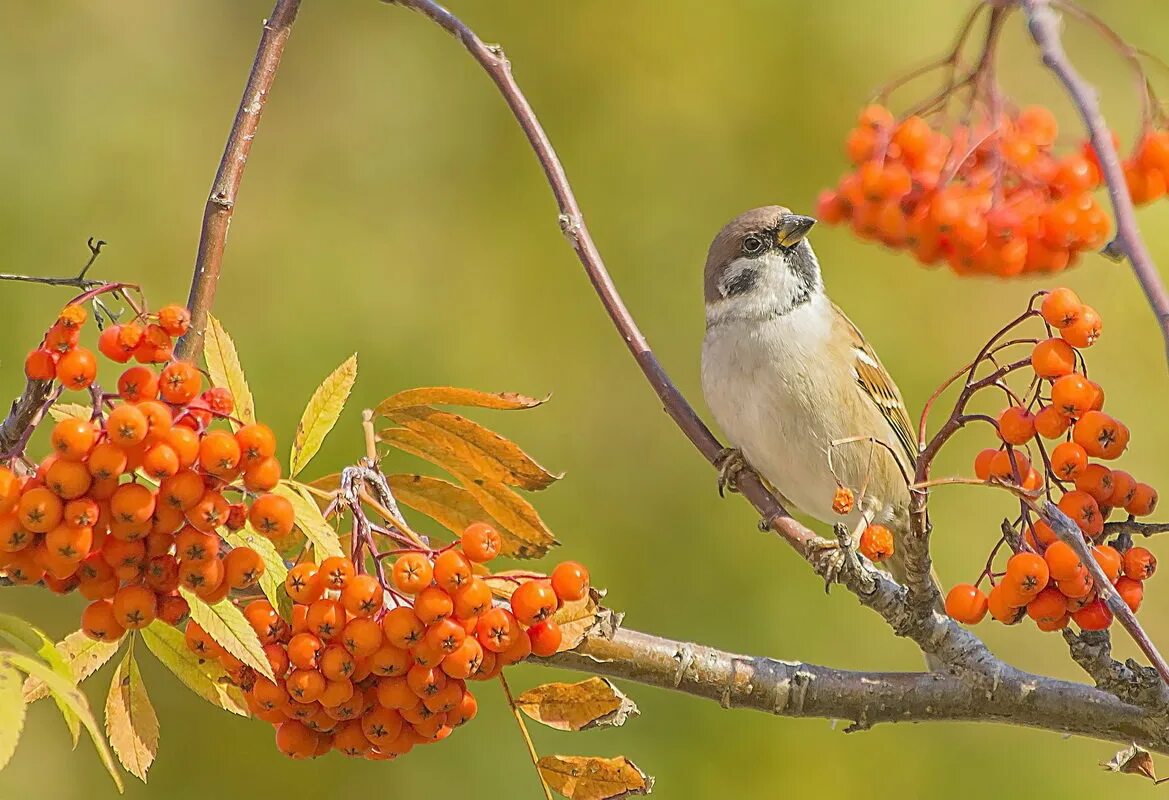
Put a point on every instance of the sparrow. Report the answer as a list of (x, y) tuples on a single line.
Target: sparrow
[(793, 384)]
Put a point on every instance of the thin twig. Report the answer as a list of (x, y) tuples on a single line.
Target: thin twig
[(1133, 528), (1044, 25), (527, 736), (221, 202)]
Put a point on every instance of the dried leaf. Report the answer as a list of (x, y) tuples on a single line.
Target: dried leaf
[(131, 724), (451, 396), (504, 583), (84, 656), (275, 570), (592, 703), (11, 712), (60, 411), (226, 625), (587, 778), (1134, 760), (580, 619), (224, 368), (477, 450), (73, 697), (327, 483), (321, 414), (451, 506), (32, 641), (310, 521), (205, 678)]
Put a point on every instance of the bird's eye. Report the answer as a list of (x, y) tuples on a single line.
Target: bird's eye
[(752, 245)]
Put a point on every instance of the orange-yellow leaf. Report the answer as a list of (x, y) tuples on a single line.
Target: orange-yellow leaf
[(451, 396), (592, 703), (131, 724), (588, 778)]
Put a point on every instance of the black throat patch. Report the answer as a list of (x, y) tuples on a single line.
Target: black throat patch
[(743, 281)]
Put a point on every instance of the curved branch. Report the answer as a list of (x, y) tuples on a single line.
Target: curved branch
[(1043, 23), (795, 689), (221, 201)]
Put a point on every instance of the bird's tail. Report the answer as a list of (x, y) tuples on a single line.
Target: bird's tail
[(897, 568)]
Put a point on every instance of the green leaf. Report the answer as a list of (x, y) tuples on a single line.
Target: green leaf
[(226, 625), (205, 678), (131, 724), (75, 700), (60, 411), (310, 520), (11, 713), (452, 396), (224, 368), (275, 570), (33, 641), (321, 414), (84, 656)]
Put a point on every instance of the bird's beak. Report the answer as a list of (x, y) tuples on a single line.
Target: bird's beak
[(792, 230)]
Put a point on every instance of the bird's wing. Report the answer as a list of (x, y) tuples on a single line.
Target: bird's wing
[(876, 385)]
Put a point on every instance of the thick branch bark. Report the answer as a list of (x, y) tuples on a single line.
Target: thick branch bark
[(795, 689), (1044, 24), (221, 201)]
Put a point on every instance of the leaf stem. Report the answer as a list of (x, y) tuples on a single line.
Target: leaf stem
[(527, 736)]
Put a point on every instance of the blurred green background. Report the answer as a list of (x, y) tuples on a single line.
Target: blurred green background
[(391, 206)]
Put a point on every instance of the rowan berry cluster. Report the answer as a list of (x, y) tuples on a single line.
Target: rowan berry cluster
[(126, 507), (986, 198), (372, 670), (1045, 578)]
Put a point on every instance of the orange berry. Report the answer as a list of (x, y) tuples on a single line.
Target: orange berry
[(39, 510), (452, 570), (534, 601), (876, 543), (202, 576), (412, 573), (326, 619), (1139, 563), (72, 439), (1143, 502), (480, 542), (305, 685), (1132, 592), (40, 365), (1124, 488), (272, 515), (1072, 395), (1068, 460), (179, 383), (497, 630), (264, 620), (303, 649), (68, 479), (256, 442), (1027, 573), (362, 596), (433, 604), (132, 502), (1048, 606), (983, 461), (135, 607), (389, 661), (570, 581), (362, 637), (1096, 480), (137, 384), (126, 426), (546, 637), (1093, 617), (1109, 559), (99, 622), (262, 475), (174, 319), (1053, 358), (1062, 561), (473, 599), (1084, 511), (1085, 330), (242, 567), (1061, 307), (1001, 467), (219, 454), (77, 369), (303, 584), (1003, 606), (402, 627), (336, 571), (1016, 425)]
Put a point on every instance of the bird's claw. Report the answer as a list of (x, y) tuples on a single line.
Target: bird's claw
[(730, 463), (831, 559)]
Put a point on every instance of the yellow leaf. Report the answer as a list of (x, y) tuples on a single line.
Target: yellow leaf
[(310, 521), (71, 696), (524, 534), (587, 778), (451, 506), (321, 414), (60, 411), (84, 656), (33, 641), (504, 582), (131, 724), (275, 570), (481, 451), (226, 625), (11, 713), (451, 396), (592, 703), (224, 368), (580, 619), (204, 677)]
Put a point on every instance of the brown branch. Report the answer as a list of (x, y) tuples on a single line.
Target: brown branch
[(795, 689), (221, 201), (1044, 24), (1131, 527)]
